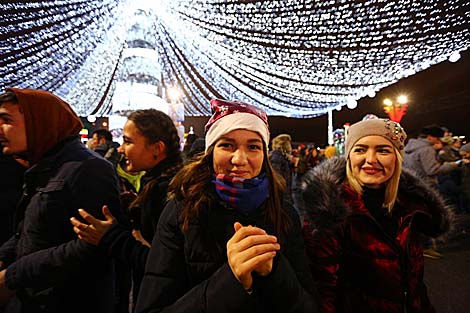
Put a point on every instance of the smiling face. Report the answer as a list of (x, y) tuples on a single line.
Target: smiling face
[(12, 129), (373, 161), (239, 153), (141, 155)]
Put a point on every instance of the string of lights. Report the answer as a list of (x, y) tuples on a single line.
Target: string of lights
[(293, 58)]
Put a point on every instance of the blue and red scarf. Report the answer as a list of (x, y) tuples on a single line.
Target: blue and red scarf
[(243, 194)]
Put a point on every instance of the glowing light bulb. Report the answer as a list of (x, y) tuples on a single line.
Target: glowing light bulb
[(454, 57)]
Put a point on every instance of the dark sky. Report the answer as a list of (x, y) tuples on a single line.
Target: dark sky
[(439, 95)]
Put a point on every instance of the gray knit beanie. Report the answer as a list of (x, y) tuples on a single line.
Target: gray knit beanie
[(392, 131)]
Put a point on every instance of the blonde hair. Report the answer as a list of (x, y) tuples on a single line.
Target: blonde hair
[(391, 186), (283, 143)]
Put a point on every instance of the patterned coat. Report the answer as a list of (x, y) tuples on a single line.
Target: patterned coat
[(358, 266)]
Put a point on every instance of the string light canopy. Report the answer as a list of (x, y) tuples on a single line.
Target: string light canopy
[(293, 58)]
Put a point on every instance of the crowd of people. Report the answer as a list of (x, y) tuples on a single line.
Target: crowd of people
[(233, 223)]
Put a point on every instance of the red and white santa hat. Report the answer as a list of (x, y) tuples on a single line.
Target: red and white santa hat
[(232, 115)]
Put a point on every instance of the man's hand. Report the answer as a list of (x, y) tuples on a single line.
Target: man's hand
[(93, 232)]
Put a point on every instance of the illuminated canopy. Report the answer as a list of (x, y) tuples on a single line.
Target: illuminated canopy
[(296, 58)]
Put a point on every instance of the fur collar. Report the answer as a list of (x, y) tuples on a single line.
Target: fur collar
[(318, 196)]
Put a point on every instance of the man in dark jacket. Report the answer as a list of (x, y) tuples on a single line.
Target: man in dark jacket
[(104, 145), (44, 267)]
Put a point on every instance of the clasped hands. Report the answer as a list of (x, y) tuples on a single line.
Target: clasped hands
[(250, 250)]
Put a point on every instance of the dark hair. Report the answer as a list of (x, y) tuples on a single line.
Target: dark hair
[(432, 130), (156, 126), (189, 142), (103, 133), (198, 146), (8, 96), (193, 186)]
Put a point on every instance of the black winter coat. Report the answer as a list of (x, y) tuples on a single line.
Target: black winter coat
[(158, 178), (119, 241), (51, 269), (11, 183), (283, 166), (188, 272)]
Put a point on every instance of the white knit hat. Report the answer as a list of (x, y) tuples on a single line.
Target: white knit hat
[(392, 131), (229, 115)]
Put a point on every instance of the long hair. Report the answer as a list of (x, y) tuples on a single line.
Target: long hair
[(193, 186), (156, 126), (391, 186)]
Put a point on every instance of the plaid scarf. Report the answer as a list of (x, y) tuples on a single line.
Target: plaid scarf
[(243, 194)]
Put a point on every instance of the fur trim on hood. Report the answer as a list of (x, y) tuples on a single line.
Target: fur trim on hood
[(318, 196)]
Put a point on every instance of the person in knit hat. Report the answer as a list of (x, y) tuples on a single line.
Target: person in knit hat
[(364, 217), (44, 267), (227, 241)]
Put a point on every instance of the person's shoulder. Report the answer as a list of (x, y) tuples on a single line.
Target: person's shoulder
[(85, 159), (72, 153), (172, 212), (318, 196)]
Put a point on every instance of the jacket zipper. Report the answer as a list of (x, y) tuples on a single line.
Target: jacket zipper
[(401, 255), (405, 298)]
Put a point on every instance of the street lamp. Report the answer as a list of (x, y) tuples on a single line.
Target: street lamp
[(396, 110)]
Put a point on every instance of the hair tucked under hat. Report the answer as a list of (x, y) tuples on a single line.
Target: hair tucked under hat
[(231, 115), (392, 131), (465, 148)]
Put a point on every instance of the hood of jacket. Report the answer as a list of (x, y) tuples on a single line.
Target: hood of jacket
[(417, 144), (319, 201), (48, 120)]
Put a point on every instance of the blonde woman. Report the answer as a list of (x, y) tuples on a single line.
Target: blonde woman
[(364, 217)]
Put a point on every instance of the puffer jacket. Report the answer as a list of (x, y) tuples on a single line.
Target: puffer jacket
[(358, 266), (189, 272)]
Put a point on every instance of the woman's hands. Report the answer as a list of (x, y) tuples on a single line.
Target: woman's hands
[(251, 249), (93, 232)]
